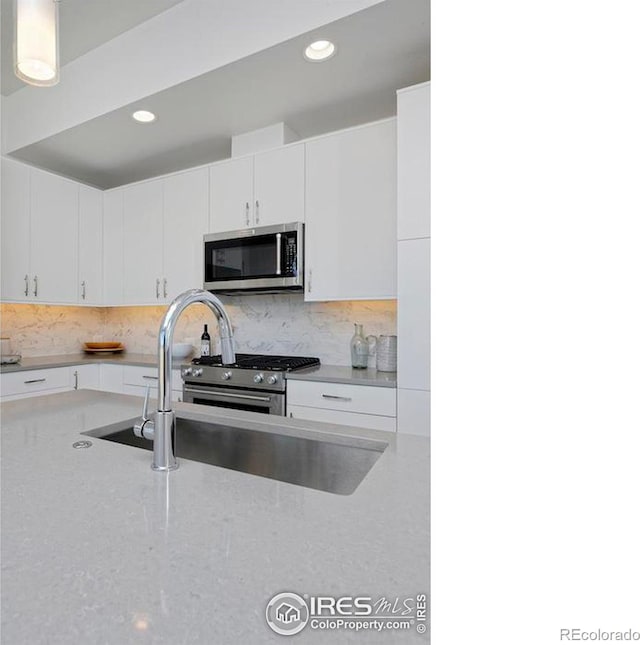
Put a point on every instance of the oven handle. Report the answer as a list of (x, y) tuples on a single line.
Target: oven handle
[(249, 397)]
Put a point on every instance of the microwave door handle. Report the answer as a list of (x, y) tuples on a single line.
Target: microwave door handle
[(278, 253)]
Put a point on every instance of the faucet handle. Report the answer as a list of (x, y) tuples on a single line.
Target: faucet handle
[(145, 428), (145, 405)]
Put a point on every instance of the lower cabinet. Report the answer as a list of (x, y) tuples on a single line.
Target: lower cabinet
[(21, 385), (414, 412), (361, 406), (123, 379), (137, 379)]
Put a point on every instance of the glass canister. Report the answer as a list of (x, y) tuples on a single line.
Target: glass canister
[(359, 348)]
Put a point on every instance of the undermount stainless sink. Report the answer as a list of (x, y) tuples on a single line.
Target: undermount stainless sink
[(332, 466)]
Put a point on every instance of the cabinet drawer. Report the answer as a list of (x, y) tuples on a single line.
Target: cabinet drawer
[(35, 381), (140, 375), (343, 397), (137, 390), (370, 421), (143, 376)]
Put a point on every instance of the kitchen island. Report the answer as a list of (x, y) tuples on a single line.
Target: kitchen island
[(97, 548)]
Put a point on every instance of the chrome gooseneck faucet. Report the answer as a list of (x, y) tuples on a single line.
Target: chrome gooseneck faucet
[(162, 428)]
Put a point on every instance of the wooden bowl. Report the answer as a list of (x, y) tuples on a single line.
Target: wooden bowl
[(110, 345)]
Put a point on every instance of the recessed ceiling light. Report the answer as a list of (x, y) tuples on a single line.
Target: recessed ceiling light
[(144, 116), (320, 50)]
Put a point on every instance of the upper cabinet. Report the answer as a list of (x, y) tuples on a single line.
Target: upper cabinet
[(142, 243), (185, 217), (90, 246), (40, 236), (163, 222), (351, 214), (259, 190), (16, 224), (414, 171)]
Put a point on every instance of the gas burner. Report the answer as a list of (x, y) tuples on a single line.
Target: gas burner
[(261, 362)]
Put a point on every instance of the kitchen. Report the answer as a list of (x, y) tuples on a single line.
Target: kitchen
[(351, 174)]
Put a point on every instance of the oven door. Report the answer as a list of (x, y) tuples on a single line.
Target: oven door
[(224, 397)]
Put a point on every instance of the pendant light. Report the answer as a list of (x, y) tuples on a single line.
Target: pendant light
[(35, 42)]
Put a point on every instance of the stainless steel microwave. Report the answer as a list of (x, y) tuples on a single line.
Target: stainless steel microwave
[(266, 259)]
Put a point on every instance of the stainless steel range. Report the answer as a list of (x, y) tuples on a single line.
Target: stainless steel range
[(255, 382)]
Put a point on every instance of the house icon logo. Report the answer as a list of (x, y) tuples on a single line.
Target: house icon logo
[(287, 614)]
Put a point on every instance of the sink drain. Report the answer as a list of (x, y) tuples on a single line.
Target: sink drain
[(82, 444)]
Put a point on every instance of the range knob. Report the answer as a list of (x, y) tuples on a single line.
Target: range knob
[(272, 380), (187, 371), (258, 378), (197, 372), (226, 376)]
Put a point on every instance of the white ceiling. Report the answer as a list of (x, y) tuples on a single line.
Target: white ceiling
[(82, 25), (380, 49)]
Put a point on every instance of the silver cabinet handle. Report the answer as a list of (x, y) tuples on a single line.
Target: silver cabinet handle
[(83, 284), (257, 211), (26, 285), (35, 380), (309, 281), (157, 288), (75, 377), (336, 398), (278, 253), (35, 286), (164, 286), (246, 213), (153, 378)]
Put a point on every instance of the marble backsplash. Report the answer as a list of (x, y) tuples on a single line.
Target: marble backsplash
[(270, 324)]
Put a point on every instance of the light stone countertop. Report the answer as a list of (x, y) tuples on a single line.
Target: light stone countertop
[(64, 360), (342, 374), (97, 548), (324, 373)]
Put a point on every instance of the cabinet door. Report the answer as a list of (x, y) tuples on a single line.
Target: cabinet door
[(85, 377), (54, 238), (414, 172), (142, 243), (414, 355), (90, 246), (231, 195), (351, 215), (278, 182), (186, 207), (15, 232), (113, 227)]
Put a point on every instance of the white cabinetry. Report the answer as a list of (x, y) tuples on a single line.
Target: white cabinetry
[(85, 377), (137, 379), (142, 242), (21, 385), (344, 404), (54, 238), (163, 225), (259, 190), (113, 264), (185, 216), (351, 214), (90, 246), (16, 285), (414, 244), (414, 167), (51, 238)]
